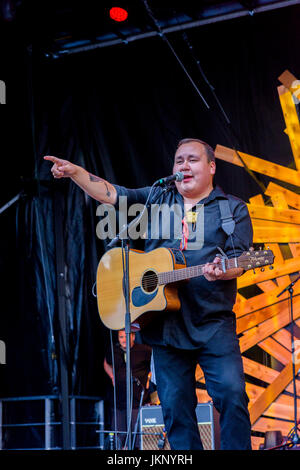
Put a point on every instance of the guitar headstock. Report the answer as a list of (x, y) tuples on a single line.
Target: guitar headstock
[(253, 259)]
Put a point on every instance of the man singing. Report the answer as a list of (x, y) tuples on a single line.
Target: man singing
[(203, 330)]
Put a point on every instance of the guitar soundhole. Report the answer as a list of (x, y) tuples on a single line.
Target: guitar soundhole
[(149, 281)]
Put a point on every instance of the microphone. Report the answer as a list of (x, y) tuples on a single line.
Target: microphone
[(169, 179)]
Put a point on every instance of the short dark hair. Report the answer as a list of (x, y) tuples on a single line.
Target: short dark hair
[(208, 149)]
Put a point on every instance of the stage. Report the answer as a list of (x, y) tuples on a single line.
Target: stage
[(114, 92)]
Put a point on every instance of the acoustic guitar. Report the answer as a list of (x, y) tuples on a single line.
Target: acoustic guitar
[(153, 281)]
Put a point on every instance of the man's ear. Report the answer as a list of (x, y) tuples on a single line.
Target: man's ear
[(212, 167)]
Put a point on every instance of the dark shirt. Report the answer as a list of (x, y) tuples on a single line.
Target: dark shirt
[(205, 305), (140, 367)]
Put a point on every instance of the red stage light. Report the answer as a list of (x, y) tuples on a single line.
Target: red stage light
[(118, 14)]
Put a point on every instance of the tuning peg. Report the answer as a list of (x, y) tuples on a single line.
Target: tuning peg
[(262, 269), (254, 271), (271, 267)]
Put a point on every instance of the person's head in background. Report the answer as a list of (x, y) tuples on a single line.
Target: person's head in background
[(122, 339)]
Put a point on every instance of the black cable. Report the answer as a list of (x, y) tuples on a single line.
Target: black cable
[(212, 89), (114, 387), (162, 35), (223, 113), (133, 222), (227, 120), (138, 413), (294, 436), (130, 416)]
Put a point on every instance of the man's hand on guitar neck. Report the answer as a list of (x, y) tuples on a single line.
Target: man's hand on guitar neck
[(213, 271), (94, 186)]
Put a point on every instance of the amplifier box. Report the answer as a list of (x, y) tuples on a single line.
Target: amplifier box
[(152, 427)]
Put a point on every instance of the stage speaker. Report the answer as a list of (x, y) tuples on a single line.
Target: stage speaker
[(153, 436)]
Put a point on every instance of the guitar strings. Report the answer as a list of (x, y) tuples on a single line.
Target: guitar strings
[(151, 281), (153, 278)]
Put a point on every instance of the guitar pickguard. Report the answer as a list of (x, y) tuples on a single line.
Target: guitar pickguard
[(140, 297)]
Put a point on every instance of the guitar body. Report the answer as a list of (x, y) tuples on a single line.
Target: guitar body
[(153, 279), (146, 295)]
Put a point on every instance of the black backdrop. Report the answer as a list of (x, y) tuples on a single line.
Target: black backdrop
[(119, 112)]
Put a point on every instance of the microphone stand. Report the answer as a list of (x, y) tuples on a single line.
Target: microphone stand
[(125, 256), (125, 249), (126, 291), (11, 202), (295, 436), (138, 414)]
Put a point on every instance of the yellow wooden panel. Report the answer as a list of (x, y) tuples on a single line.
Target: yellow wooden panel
[(199, 373), (290, 388), (262, 301), (257, 200), (253, 391), (276, 350), (278, 200), (283, 404), (246, 306), (202, 396), (283, 281), (267, 286), (277, 410), (291, 121), (272, 392), (277, 252), (261, 319), (291, 216), (268, 375), (284, 337), (289, 81), (267, 328), (259, 165), (273, 225), (290, 266), (291, 197), (284, 399), (259, 371), (254, 319), (275, 232), (240, 300), (261, 307), (295, 249)]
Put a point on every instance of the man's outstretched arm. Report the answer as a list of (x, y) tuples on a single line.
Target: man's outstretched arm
[(96, 187)]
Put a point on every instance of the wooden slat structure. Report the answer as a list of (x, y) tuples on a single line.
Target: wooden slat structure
[(263, 319)]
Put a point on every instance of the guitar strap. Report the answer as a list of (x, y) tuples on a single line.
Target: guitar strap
[(228, 223)]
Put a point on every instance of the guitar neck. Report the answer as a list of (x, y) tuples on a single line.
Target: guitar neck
[(193, 271)]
